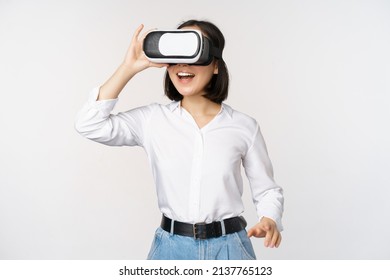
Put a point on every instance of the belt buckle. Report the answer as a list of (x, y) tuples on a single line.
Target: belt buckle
[(199, 234)]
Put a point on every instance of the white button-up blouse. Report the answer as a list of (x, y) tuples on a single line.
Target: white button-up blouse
[(197, 172)]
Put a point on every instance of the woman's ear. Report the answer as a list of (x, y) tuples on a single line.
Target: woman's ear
[(216, 67)]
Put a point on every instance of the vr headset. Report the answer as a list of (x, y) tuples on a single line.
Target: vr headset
[(180, 46)]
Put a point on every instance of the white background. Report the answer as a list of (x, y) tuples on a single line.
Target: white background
[(315, 74)]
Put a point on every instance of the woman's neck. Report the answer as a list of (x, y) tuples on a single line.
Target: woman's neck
[(199, 106)]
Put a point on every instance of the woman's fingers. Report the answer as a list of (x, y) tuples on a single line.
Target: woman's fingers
[(278, 241), (137, 32), (256, 231), (266, 228), (135, 59), (274, 239), (268, 237)]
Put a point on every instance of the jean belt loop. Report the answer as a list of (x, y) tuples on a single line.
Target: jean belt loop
[(223, 228), (172, 227)]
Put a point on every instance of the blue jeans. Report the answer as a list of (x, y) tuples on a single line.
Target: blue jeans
[(234, 246)]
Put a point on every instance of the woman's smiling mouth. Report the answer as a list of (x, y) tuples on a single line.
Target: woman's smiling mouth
[(185, 75)]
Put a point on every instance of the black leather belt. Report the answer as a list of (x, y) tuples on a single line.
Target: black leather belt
[(203, 230)]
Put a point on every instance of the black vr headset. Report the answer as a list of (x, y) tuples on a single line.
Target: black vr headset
[(180, 46)]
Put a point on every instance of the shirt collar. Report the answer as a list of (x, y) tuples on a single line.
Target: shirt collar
[(173, 105), (225, 108)]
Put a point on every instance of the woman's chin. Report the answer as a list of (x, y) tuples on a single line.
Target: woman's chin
[(187, 93)]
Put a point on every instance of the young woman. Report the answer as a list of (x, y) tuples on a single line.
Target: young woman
[(196, 146)]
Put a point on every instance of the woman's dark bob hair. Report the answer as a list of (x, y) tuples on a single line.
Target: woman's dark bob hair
[(217, 90)]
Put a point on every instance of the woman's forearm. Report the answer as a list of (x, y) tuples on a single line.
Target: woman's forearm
[(115, 84)]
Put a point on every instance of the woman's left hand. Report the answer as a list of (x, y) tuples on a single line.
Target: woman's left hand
[(266, 228)]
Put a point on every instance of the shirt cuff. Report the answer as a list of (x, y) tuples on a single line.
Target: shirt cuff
[(278, 221), (104, 106)]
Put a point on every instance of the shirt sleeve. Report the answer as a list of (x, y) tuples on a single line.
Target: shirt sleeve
[(96, 122), (267, 195)]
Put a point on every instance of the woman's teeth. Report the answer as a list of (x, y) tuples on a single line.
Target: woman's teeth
[(185, 75)]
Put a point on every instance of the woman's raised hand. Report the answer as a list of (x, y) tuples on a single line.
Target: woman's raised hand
[(135, 59)]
